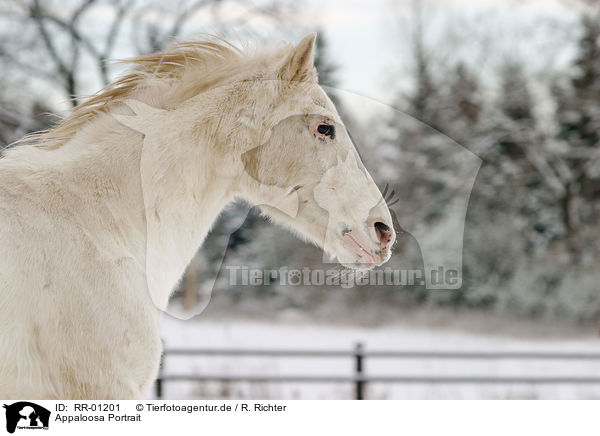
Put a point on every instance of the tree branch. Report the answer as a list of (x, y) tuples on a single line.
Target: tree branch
[(35, 11)]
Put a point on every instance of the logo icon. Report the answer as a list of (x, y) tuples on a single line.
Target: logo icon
[(26, 415)]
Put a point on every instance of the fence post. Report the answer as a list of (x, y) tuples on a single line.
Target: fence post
[(358, 360), (158, 388), (159, 382)]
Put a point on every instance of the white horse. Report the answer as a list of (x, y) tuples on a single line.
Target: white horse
[(100, 216)]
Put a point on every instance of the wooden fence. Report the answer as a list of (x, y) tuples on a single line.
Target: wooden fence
[(360, 378)]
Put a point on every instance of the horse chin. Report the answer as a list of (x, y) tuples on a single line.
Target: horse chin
[(357, 266), (357, 253), (353, 259)]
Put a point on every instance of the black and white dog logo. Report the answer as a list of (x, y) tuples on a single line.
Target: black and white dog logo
[(26, 415)]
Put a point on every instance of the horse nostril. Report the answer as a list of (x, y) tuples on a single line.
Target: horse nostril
[(383, 231), (381, 227)]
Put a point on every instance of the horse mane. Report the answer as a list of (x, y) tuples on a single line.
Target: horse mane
[(168, 77)]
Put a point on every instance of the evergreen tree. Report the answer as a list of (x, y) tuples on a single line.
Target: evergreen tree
[(579, 104), (425, 90), (578, 119), (326, 67), (515, 100), (459, 103), (465, 90)]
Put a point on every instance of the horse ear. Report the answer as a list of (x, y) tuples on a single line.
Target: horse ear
[(299, 65)]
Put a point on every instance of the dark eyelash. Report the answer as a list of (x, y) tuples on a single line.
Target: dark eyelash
[(389, 198)]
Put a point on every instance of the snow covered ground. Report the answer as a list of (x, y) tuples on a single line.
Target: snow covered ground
[(264, 335)]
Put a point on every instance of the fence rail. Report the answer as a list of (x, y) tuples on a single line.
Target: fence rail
[(359, 379)]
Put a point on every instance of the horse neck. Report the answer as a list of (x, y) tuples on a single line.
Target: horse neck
[(162, 231)]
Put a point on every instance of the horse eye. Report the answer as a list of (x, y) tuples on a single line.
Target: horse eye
[(326, 129)]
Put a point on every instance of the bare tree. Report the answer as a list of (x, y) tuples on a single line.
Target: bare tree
[(63, 41), (72, 39)]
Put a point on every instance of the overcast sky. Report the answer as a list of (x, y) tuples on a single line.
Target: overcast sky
[(370, 40)]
